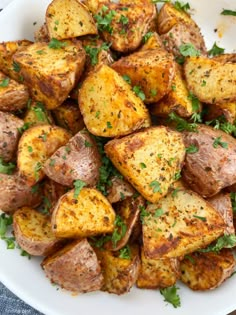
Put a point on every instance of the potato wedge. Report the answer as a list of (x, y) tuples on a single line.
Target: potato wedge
[(37, 114), (86, 214), (68, 19), (78, 159), (13, 95), (151, 70), (33, 232), (179, 224), (204, 271), (68, 116), (119, 190), (120, 274), (219, 79), (109, 106), (15, 193), (36, 145), (157, 273), (68, 269), (7, 65), (51, 77), (149, 159), (9, 135)]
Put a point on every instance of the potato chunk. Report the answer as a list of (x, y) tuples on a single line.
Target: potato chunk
[(150, 159), (84, 215), (75, 268), (37, 114), (119, 190), (109, 106), (13, 95), (157, 273), (51, 75), (225, 111), (36, 145), (120, 274), (152, 70), (68, 19), (179, 224), (33, 232), (204, 271), (212, 81)]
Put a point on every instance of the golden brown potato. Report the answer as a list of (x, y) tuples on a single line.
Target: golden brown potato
[(37, 114), (150, 160), (120, 274), (78, 159), (75, 268), (7, 65), (153, 42), (50, 73), (80, 215), (228, 110), (15, 193), (212, 81), (109, 106), (36, 145), (13, 95), (128, 26), (69, 19), (33, 232), (157, 273), (68, 116), (119, 190), (93, 5), (178, 224), (41, 35), (151, 70), (176, 100), (9, 135), (204, 271)]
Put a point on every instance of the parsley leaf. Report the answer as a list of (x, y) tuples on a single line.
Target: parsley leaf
[(182, 124), (195, 101), (218, 142), (119, 231), (6, 168), (171, 296), (4, 82), (94, 51), (191, 149), (228, 12), (146, 37), (216, 50), (56, 44), (78, 184), (138, 91), (125, 252), (16, 66), (200, 218), (188, 50), (40, 112), (126, 78), (24, 127), (104, 20), (226, 241), (155, 185), (182, 6), (37, 168)]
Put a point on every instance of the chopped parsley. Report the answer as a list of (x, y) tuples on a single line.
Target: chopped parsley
[(182, 124), (155, 185), (200, 218), (217, 142), (191, 149), (16, 66), (123, 20), (171, 296), (143, 213), (195, 102), (78, 185), (37, 168), (228, 12), (87, 144), (4, 82), (119, 231), (177, 175), (142, 165), (226, 241), (182, 6), (189, 50), (126, 78), (40, 112), (6, 168), (125, 252), (158, 213), (104, 19), (146, 37), (26, 126), (56, 44), (216, 50), (138, 91), (94, 51), (109, 125)]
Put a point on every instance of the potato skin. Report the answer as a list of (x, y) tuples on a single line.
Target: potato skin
[(210, 169), (75, 268), (15, 193), (119, 189), (79, 159), (9, 135), (33, 232)]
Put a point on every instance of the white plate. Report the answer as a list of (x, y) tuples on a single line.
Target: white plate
[(25, 277)]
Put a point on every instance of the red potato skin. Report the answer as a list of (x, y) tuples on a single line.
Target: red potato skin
[(79, 159), (119, 188), (9, 135), (210, 169)]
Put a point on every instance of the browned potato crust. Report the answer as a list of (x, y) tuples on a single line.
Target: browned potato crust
[(15, 193), (78, 159), (13, 96), (9, 135), (75, 268), (157, 273), (179, 224), (41, 35), (204, 271), (152, 70), (119, 190), (228, 110), (213, 166), (84, 215), (51, 77), (33, 232), (153, 42), (149, 159), (93, 5)]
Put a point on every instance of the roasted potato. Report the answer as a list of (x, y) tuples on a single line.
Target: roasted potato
[(68, 19), (9, 135), (51, 77), (86, 214), (33, 232), (212, 167), (15, 193), (119, 190), (93, 5), (151, 70), (41, 35), (149, 159), (179, 224), (37, 114), (109, 106), (13, 95), (120, 274), (157, 273), (204, 271), (75, 268), (212, 81), (36, 145), (226, 110), (153, 42), (78, 159)]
